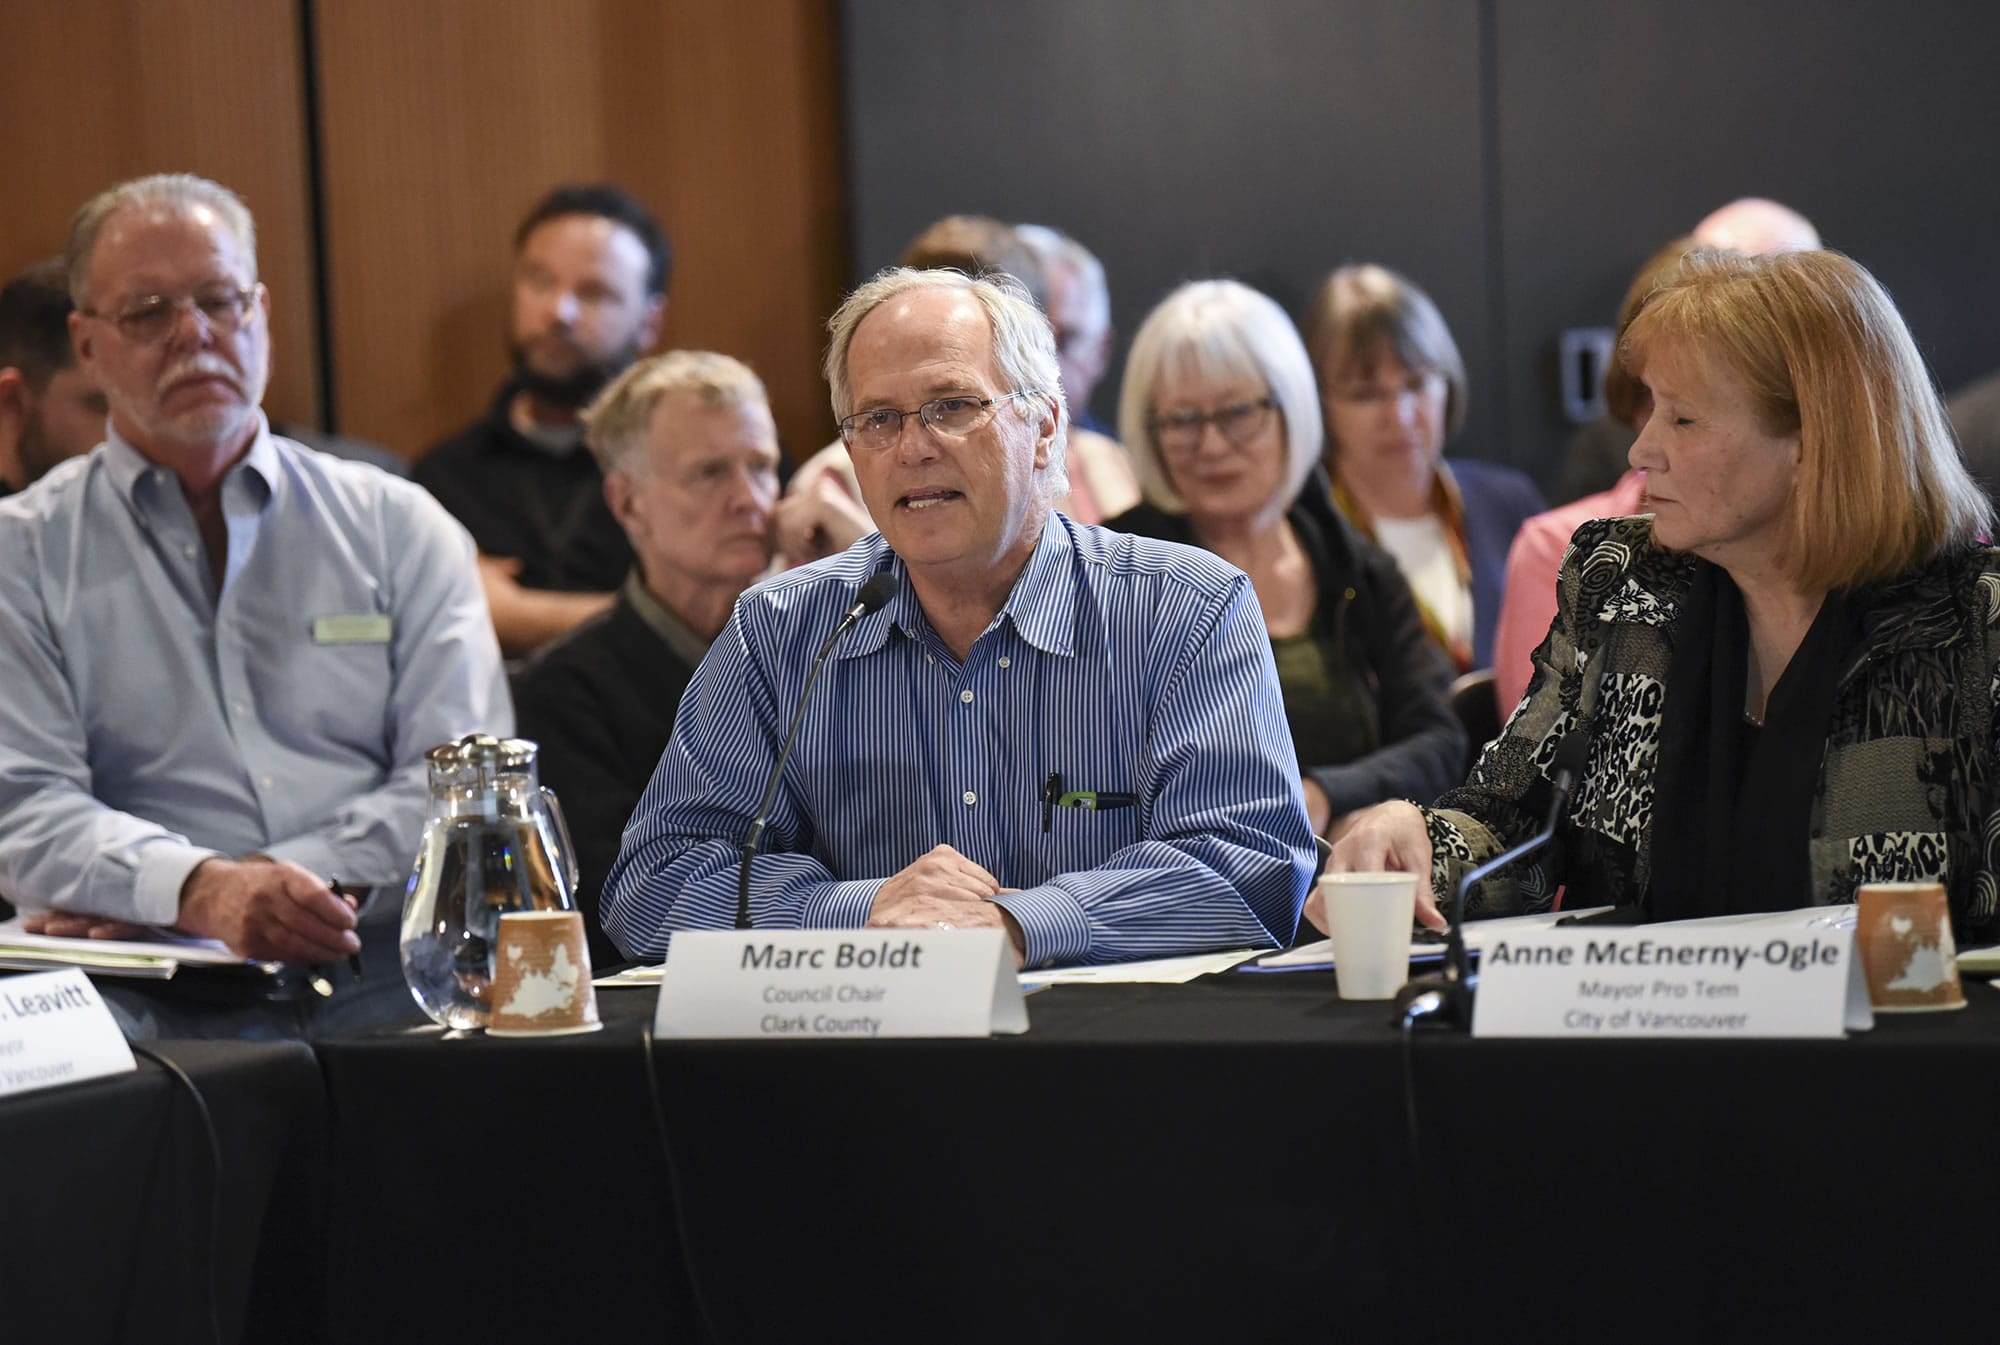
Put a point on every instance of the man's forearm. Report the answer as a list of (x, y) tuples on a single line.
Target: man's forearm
[(524, 619), (695, 888)]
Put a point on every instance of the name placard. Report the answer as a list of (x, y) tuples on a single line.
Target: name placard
[(849, 984), (1660, 981), (55, 1030)]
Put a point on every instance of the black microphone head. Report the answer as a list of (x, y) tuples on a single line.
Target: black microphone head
[(875, 592), (1571, 754)]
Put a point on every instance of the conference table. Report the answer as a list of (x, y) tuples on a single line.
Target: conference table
[(115, 1224), (1246, 1157)]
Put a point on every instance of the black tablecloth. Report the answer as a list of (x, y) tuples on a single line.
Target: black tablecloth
[(107, 1201), (1230, 1159)]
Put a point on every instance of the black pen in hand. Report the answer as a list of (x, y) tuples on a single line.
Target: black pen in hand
[(353, 958)]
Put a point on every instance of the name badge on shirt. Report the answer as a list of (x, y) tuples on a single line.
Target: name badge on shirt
[(352, 628)]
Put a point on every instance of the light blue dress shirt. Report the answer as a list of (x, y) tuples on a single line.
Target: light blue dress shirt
[(1126, 665), (148, 722)]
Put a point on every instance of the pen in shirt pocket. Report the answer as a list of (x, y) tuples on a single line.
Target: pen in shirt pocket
[(1054, 796)]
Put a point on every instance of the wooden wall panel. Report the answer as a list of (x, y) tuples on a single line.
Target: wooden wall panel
[(444, 121), (99, 90)]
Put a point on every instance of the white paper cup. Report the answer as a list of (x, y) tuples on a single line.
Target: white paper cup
[(1368, 918)]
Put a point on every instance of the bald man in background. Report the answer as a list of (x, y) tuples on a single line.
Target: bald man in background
[(1755, 225), (1594, 460)]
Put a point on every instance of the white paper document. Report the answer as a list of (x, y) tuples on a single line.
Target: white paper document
[(646, 974), (156, 957), (1320, 954), (1154, 971)]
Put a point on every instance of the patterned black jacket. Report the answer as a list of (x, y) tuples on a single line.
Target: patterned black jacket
[(1905, 787)]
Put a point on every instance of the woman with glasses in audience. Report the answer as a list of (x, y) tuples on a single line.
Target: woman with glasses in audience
[(1784, 672), (1395, 392), (1220, 415)]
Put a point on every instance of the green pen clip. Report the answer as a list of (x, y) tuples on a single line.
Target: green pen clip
[(1096, 800)]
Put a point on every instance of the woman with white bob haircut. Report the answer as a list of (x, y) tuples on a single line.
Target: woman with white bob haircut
[(1222, 418)]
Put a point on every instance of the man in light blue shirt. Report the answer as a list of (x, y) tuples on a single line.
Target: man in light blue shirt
[(1070, 734), (223, 654)]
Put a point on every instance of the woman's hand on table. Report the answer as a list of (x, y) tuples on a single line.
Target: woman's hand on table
[(1391, 838)]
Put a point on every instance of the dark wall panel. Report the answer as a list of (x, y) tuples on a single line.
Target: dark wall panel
[(1268, 141), (1274, 139), (1622, 125)]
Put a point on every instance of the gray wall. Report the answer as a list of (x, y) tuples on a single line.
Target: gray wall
[(1517, 158)]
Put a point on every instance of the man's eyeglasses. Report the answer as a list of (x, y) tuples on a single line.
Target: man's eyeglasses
[(1240, 422), (955, 417), (151, 320)]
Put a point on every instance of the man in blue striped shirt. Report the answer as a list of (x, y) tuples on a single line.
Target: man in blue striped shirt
[(1071, 734)]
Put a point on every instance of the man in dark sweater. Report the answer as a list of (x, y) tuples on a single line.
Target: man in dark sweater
[(590, 290), (690, 460)]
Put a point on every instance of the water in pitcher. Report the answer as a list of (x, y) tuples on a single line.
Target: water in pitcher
[(495, 843)]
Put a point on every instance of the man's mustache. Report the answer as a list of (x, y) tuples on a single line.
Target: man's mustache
[(201, 365)]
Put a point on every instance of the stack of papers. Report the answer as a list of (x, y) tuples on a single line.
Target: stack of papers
[(1153, 971), (1319, 956), (155, 958)]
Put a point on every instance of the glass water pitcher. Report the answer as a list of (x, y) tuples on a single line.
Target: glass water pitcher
[(495, 842)]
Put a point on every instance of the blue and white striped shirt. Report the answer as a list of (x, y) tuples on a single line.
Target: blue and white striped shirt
[(1125, 664)]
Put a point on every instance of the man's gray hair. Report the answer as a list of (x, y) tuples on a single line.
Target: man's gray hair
[(1053, 248), (615, 425), (164, 192), (1024, 347)]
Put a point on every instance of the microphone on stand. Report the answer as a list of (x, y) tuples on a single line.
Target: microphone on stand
[(1446, 999), (877, 591)]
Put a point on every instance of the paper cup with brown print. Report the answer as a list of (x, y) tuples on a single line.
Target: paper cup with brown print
[(541, 980), (1904, 933)]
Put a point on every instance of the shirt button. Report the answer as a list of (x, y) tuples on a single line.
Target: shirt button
[(1006, 662), (970, 798), (929, 659), (239, 707), (965, 696), (188, 551), (266, 782)]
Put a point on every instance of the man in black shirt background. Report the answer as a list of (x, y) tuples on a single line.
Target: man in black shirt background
[(591, 267)]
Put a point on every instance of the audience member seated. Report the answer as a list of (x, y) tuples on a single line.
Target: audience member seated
[(1756, 227), (1223, 419), (1793, 657), (1595, 458), (823, 510), (1529, 603), (1395, 391), (690, 459), (590, 290), (1023, 665), (1101, 482), (224, 654), (49, 409)]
